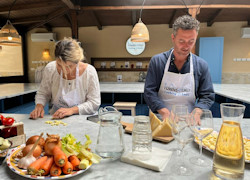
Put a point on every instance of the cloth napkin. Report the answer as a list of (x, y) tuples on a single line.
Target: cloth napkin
[(157, 162)]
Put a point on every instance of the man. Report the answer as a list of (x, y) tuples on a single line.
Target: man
[(178, 76)]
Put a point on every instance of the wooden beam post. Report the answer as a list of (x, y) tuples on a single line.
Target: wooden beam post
[(193, 12), (74, 24)]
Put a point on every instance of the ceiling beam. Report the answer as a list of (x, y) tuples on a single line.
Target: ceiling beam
[(213, 18), (218, 6), (48, 27), (96, 19), (50, 17), (69, 4), (27, 6), (28, 20), (172, 19), (68, 18), (134, 18)]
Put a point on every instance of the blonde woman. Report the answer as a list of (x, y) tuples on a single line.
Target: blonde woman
[(69, 85)]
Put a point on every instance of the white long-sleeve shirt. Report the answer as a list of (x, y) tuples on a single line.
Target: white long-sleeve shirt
[(89, 88)]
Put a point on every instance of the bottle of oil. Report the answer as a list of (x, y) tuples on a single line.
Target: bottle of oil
[(229, 160)]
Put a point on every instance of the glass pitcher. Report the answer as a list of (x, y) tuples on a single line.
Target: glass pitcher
[(110, 143), (229, 160)]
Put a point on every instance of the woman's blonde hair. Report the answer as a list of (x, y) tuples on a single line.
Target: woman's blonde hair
[(69, 49)]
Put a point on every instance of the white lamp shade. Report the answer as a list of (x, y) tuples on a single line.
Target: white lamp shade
[(140, 32), (9, 35)]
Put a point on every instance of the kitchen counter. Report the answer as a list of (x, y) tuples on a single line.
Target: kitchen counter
[(238, 92), (114, 170), (124, 87), (10, 90)]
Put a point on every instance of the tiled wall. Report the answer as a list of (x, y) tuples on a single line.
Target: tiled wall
[(235, 78)]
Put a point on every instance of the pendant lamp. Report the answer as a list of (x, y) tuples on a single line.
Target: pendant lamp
[(140, 30), (8, 34)]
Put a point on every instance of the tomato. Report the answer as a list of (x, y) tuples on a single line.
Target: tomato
[(2, 117), (8, 121)]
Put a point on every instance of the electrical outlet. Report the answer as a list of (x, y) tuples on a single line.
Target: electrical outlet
[(119, 78)]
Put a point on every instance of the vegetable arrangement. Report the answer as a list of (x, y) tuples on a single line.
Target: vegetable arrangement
[(6, 121), (58, 156)]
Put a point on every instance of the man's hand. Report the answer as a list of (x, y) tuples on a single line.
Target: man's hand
[(164, 112), (196, 113), (63, 112), (37, 112)]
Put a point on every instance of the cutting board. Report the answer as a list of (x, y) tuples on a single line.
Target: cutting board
[(129, 127)]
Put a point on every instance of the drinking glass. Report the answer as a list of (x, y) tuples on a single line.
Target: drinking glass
[(183, 134), (176, 108), (203, 126), (142, 138)]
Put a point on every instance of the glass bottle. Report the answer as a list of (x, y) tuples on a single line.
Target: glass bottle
[(229, 160)]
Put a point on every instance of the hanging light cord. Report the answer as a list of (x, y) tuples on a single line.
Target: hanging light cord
[(185, 5), (11, 8), (142, 7)]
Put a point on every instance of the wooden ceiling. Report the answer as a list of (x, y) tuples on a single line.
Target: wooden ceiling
[(29, 14)]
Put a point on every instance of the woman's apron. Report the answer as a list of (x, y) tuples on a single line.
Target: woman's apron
[(66, 98)]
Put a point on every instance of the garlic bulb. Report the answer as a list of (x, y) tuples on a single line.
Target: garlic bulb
[(24, 162)]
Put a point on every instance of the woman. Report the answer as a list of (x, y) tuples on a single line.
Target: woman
[(69, 85)]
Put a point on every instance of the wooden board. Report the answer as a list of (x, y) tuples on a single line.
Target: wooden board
[(129, 127)]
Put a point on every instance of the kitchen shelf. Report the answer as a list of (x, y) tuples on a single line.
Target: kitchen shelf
[(121, 69), (141, 59), (120, 59)]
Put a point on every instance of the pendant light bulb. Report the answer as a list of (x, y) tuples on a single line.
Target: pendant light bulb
[(8, 33), (140, 32)]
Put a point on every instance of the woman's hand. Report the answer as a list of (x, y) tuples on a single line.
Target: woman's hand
[(63, 112), (37, 112)]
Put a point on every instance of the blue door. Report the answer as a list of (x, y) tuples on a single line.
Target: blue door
[(211, 50)]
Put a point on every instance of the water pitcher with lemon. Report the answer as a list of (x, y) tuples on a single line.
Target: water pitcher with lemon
[(228, 160)]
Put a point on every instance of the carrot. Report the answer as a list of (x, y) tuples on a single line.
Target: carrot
[(60, 157), (67, 168), (55, 170), (34, 167), (73, 159), (45, 167)]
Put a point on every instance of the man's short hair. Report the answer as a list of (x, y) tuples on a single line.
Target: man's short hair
[(186, 22)]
